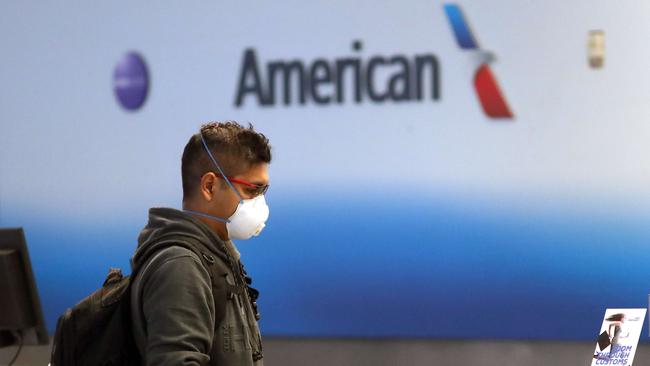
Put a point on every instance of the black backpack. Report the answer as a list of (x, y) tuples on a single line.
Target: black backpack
[(98, 332)]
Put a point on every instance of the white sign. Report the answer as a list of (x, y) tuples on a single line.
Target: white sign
[(618, 337)]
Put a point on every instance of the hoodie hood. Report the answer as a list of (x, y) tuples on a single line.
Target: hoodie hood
[(164, 222)]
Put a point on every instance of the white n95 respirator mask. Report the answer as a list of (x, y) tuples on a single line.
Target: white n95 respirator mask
[(248, 219)]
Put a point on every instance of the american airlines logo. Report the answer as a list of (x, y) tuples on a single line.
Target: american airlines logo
[(487, 89), (353, 78), (397, 78)]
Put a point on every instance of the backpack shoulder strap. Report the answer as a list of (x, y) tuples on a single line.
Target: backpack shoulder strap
[(222, 290)]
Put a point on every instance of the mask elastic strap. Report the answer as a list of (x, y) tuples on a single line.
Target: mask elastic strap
[(207, 216), (205, 145)]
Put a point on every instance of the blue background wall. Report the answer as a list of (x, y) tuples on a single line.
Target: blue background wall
[(420, 219)]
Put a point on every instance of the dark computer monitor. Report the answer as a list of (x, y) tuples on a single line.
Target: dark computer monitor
[(21, 316)]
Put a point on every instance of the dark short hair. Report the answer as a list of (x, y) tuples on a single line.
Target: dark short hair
[(616, 317), (236, 149)]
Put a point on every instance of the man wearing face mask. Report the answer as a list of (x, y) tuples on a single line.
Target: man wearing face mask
[(191, 299)]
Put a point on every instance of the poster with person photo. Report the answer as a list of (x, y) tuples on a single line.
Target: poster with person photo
[(618, 337)]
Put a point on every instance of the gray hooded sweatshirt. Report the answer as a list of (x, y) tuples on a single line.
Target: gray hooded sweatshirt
[(172, 302)]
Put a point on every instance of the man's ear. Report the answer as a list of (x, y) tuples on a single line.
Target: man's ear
[(209, 186)]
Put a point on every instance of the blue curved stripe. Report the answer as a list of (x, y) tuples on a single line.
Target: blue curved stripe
[(462, 32)]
